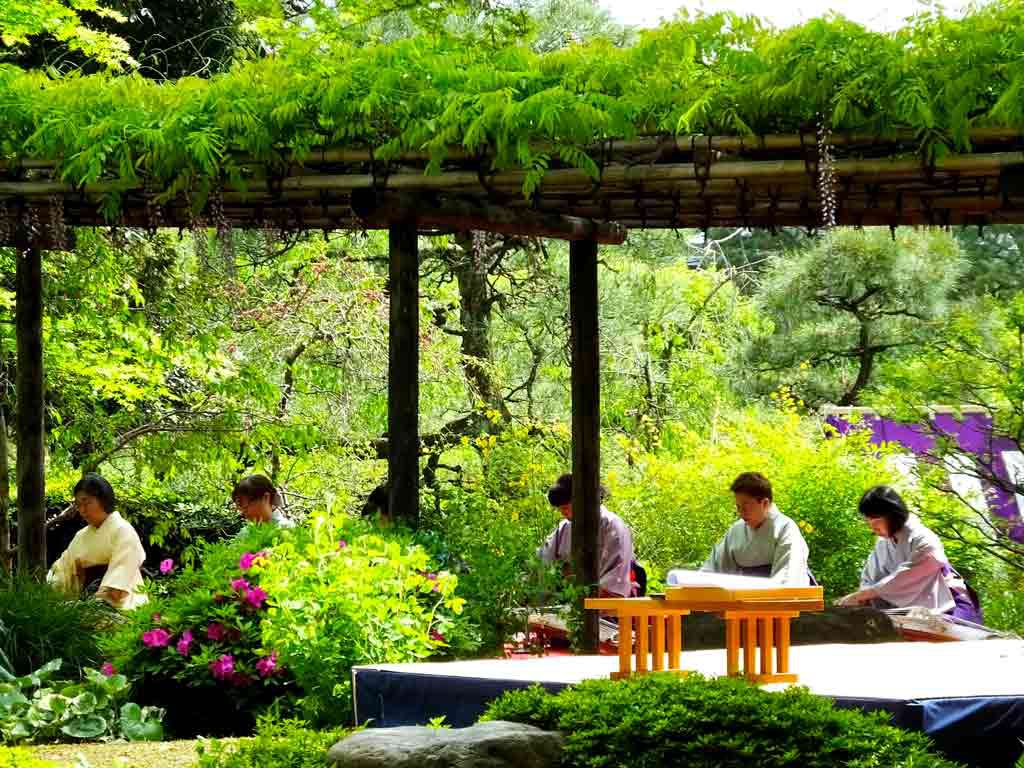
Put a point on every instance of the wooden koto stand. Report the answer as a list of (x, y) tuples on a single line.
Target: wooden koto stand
[(756, 619)]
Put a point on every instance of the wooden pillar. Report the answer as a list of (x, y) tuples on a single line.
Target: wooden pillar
[(28, 322), (586, 428), (403, 374)]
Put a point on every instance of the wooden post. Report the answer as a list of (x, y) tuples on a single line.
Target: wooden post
[(403, 374), (28, 322), (586, 429)]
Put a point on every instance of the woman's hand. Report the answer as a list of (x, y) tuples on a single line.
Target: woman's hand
[(852, 599)]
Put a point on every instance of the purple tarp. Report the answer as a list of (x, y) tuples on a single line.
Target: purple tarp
[(972, 433)]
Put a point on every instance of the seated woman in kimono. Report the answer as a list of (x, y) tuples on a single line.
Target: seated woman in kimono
[(908, 566), (259, 501), (763, 542), (107, 543), (614, 540)]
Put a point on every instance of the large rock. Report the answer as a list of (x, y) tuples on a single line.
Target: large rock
[(496, 744), (833, 625)]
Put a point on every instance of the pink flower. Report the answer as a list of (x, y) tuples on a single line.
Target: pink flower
[(240, 585), (108, 669), (240, 680), (156, 638), (215, 631), (185, 642), (224, 667), (255, 597), (342, 544), (436, 636), (249, 559), (166, 566), (267, 665)]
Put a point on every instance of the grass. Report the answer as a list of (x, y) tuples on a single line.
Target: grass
[(139, 754)]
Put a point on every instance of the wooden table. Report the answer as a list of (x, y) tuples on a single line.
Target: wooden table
[(756, 619)]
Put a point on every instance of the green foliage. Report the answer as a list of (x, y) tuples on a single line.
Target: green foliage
[(665, 720), (283, 615), (1004, 608), (433, 91), (22, 757), (279, 743), (343, 596), (21, 20), (40, 708), (842, 306), (38, 623)]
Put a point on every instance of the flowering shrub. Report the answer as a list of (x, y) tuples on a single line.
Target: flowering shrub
[(282, 615)]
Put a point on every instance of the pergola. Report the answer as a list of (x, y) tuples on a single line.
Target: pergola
[(650, 182)]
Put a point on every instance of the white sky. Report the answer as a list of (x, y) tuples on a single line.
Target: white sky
[(875, 14)]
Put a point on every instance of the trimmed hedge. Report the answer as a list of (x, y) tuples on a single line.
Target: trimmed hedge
[(662, 720)]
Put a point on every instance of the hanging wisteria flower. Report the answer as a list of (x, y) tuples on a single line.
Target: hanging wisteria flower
[(156, 638), (184, 642), (240, 585), (267, 665), (166, 566), (108, 669), (224, 667), (249, 559), (256, 597), (216, 631)]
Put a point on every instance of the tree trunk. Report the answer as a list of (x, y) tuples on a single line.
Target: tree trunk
[(586, 428), (403, 375), (867, 363), (28, 320), (5, 500)]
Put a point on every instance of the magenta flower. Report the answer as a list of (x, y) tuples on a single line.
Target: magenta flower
[(216, 631), (249, 559), (267, 665), (256, 597), (166, 566), (240, 585), (342, 544), (224, 667), (436, 636), (108, 669), (185, 642), (156, 638), (240, 680)]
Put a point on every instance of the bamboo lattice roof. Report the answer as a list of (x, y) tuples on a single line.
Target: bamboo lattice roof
[(650, 182)]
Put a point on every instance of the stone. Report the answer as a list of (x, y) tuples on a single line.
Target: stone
[(495, 744), (835, 624)]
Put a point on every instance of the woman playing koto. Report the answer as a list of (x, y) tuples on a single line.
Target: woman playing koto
[(107, 540), (908, 566)]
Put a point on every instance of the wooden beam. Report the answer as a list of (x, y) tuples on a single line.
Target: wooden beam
[(403, 374), (586, 428), (381, 209), (31, 473)]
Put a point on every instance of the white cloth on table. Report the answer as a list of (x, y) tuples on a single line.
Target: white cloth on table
[(616, 551), (910, 569), (114, 544), (777, 543)]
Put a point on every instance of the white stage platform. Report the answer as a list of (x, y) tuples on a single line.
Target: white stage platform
[(978, 686)]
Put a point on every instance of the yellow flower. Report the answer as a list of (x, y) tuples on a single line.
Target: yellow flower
[(464, 440)]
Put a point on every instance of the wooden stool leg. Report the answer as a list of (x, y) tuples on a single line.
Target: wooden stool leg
[(625, 645), (767, 646), (749, 646), (782, 627), (732, 646), (642, 632), (658, 643), (675, 640)]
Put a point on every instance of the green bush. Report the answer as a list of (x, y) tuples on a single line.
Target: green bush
[(42, 708), (38, 623), (277, 743), (279, 615), (659, 720)]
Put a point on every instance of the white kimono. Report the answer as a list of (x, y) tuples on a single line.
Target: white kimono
[(616, 551), (114, 544), (776, 547), (910, 569)]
